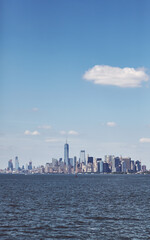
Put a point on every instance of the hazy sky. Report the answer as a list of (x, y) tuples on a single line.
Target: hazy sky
[(77, 69)]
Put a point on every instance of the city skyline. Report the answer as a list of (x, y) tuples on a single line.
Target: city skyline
[(77, 70), (82, 164)]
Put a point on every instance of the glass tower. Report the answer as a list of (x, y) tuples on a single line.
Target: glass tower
[(82, 157), (66, 153), (16, 163)]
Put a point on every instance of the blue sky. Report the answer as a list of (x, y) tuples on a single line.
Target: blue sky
[(51, 88)]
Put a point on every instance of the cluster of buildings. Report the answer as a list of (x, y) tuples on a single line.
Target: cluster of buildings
[(83, 164)]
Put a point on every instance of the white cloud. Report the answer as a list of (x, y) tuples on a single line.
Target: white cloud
[(52, 140), (45, 127), (35, 109), (27, 132), (34, 133), (144, 140), (111, 124), (72, 132), (115, 76)]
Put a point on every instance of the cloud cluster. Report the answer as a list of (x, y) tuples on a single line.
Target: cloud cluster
[(115, 76), (34, 133), (144, 140), (35, 109), (71, 132), (111, 124)]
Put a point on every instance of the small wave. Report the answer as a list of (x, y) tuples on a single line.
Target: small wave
[(113, 218)]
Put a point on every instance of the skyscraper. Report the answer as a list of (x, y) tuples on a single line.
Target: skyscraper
[(16, 163), (138, 165), (82, 157), (127, 162), (10, 165), (90, 159), (75, 163), (66, 153), (30, 166), (99, 165), (116, 167)]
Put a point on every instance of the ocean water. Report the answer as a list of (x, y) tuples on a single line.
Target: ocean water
[(65, 207)]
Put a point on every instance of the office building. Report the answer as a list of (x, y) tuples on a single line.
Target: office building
[(82, 157), (143, 168), (116, 165), (127, 161), (30, 166), (123, 167), (106, 168), (75, 163), (99, 165), (10, 165), (16, 163), (90, 159), (133, 167), (66, 153), (138, 166), (71, 161), (54, 162)]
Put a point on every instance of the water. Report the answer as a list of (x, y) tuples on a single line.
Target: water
[(64, 207)]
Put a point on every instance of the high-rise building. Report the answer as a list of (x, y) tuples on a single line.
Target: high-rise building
[(16, 163), (123, 169), (138, 166), (66, 153), (99, 165), (143, 168), (127, 162), (82, 157), (90, 159), (133, 167), (71, 161), (30, 166), (106, 168), (116, 166), (75, 163), (54, 162), (109, 158), (47, 167), (10, 165)]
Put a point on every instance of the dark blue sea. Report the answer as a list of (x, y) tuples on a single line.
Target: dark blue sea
[(68, 207)]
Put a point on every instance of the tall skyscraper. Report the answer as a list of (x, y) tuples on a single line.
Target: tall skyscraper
[(138, 165), (66, 153), (82, 157), (133, 167), (54, 162), (99, 165), (90, 159), (10, 165), (16, 163), (75, 163), (30, 166), (127, 162), (116, 167), (71, 161)]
